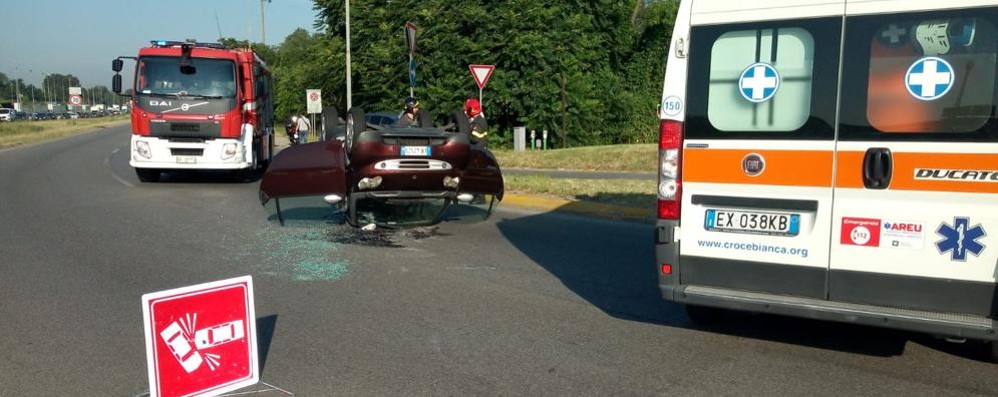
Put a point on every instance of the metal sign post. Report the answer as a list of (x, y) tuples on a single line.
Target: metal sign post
[(410, 39)]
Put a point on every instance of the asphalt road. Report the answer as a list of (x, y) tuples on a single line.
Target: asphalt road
[(521, 304)]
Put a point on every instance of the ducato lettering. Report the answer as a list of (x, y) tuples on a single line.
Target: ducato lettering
[(956, 175)]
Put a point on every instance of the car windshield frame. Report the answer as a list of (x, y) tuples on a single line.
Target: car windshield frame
[(389, 211), (161, 76)]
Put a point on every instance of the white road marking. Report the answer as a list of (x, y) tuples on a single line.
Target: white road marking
[(107, 162)]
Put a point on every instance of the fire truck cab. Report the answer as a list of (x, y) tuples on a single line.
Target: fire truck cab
[(198, 106)]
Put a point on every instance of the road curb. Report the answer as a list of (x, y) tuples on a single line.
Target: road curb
[(579, 207)]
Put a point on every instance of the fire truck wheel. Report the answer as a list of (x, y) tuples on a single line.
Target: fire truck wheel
[(270, 151), (147, 174)]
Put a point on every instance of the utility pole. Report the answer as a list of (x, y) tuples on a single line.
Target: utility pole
[(263, 26), (45, 87), (349, 89), (17, 89)]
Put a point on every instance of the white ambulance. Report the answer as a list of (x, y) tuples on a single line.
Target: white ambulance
[(833, 159)]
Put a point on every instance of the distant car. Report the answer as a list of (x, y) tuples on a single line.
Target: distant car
[(7, 114), (387, 175), (383, 119), (72, 115)]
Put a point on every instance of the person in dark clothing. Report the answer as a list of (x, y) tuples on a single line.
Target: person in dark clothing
[(479, 127), (409, 116)]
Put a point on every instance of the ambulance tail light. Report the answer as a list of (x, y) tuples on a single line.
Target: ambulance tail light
[(670, 183)]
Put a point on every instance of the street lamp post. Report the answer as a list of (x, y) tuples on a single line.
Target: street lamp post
[(17, 90), (349, 89)]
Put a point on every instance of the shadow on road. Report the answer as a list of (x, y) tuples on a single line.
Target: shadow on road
[(209, 176), (635, 200), (612, 266), (265, 327)]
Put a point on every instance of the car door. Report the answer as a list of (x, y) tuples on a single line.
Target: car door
[(758, 151), (916, 191), (482, 178), (314, 169)]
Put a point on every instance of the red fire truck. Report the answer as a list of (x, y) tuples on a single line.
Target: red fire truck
[(198, 106)]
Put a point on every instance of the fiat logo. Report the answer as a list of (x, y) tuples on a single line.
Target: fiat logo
[(753, 164)]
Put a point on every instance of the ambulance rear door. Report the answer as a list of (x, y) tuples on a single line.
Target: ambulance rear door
[(759, 146), (916, 192)]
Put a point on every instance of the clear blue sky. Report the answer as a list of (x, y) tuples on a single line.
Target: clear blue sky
[(82, 37)]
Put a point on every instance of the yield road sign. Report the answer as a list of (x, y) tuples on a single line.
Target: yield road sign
[(201, 340), (481, 74)]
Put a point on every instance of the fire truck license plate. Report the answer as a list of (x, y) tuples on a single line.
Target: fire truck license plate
[(415, 150), (186, 159), (774, 224)]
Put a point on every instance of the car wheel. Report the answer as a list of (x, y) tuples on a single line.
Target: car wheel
[(460, 121), (424, 118), (330, 120), (147, 174), (356, 125)]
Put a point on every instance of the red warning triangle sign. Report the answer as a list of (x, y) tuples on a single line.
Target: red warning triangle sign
[(481, 74)]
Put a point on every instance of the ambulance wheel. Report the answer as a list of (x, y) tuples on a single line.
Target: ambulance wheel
[(993, 352), (706, 316), (147, 174)]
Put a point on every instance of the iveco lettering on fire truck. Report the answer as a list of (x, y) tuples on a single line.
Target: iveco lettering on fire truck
[(833, 159), (198, 106)]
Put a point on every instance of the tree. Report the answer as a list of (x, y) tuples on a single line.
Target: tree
[(607, 53)]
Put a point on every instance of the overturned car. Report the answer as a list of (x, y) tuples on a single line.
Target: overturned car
[(388, 176)]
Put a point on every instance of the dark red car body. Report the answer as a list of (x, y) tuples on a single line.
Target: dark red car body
[(328, 169)]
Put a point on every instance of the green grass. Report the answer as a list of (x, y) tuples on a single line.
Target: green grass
[(624, 192), (643, 157), (26, 132)]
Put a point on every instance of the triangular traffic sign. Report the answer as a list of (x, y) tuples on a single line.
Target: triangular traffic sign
[(481, 74)]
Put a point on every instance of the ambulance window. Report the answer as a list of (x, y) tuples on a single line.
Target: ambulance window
[(927, 76), (774, 96), (764, 80)]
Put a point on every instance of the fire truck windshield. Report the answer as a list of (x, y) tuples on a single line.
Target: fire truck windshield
[(212, 78)]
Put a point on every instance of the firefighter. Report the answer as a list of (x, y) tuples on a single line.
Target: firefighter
[(479, 127), (409, 114)]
